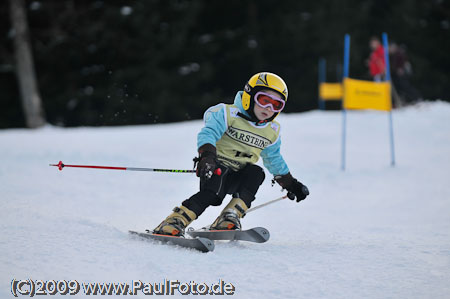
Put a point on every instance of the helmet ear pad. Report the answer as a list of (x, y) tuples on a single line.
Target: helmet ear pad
[(248, 100), (247, 97)]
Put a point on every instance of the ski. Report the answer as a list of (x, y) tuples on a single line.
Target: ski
[(256, 234), (200, 244)]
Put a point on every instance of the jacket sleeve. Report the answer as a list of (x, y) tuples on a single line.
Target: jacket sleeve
[(273, 160), (215, 125)]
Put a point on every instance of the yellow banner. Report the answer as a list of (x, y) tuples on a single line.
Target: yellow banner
[(330, 91), (360, 94)]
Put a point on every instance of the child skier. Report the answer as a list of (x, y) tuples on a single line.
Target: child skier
[(232, 140)]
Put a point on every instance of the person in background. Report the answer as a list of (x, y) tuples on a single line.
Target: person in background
[(404, 91), (376, 61)]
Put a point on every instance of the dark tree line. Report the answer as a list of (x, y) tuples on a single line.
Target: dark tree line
[(150, 61)]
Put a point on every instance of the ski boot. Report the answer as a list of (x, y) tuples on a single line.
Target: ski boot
[(229, 218), (176, 222)]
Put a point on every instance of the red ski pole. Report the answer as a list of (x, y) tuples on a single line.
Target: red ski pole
[(61, 165)]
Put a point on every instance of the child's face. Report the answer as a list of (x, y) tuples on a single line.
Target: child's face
[(264, 113)]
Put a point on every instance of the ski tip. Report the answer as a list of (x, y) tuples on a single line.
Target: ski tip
[(209, 244), (264, 233), (256, 234)]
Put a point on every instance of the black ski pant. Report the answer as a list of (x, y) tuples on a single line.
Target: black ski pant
[(242, 184)]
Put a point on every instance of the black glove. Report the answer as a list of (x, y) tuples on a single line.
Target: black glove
[(295, 188), (206, 161)]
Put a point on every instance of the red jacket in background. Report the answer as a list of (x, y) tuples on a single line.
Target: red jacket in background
[(376, 62)]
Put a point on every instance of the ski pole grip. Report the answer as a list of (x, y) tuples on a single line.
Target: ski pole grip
[(291, 195)]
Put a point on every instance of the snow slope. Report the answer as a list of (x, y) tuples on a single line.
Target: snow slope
[(373, 231)]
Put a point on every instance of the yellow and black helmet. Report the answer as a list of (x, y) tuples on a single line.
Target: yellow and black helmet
[(260, 81)]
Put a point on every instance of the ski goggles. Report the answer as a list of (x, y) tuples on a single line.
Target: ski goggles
[(265, 100)]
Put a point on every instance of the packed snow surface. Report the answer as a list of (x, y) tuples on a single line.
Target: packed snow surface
[(371, 231)]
